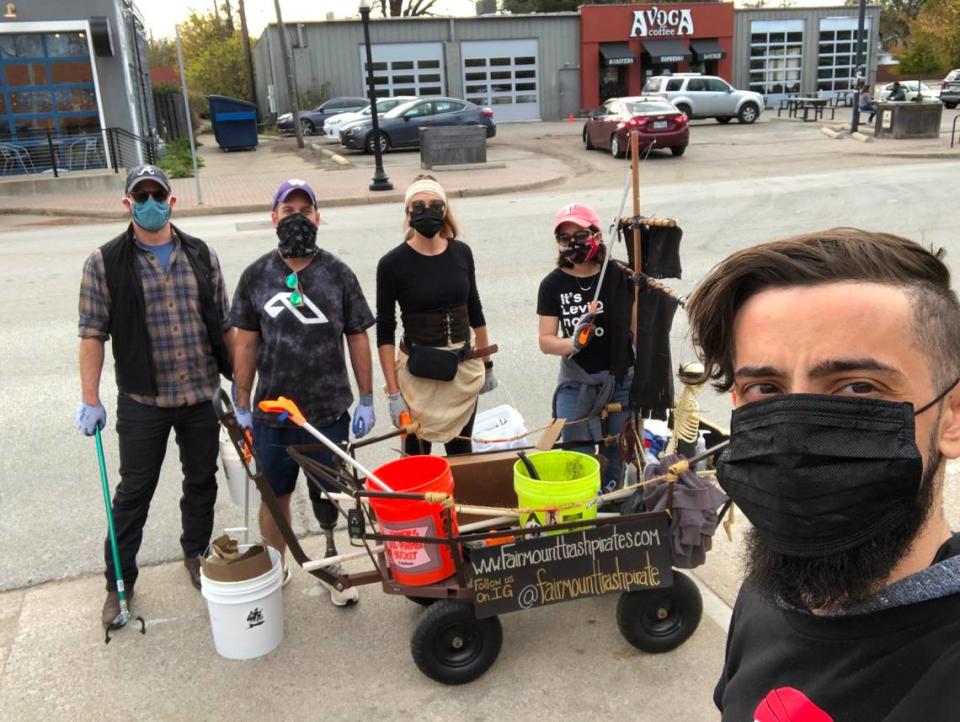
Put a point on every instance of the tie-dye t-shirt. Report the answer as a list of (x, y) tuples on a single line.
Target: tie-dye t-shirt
[(301, 353)]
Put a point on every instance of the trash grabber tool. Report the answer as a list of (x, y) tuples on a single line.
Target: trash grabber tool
[(125, 616), (289, 411), (587, 331)]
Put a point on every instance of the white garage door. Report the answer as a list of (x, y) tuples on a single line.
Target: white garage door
[(405, 68), (503, 74)]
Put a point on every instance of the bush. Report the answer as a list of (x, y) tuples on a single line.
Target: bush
[(177, 163)]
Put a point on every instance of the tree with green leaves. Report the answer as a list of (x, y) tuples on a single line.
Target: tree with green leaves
[(934, 40), (213, 55), (895, 19), (161, 52)]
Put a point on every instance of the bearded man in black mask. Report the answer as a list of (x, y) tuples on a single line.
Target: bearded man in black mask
[(842, 352), (292, 309)]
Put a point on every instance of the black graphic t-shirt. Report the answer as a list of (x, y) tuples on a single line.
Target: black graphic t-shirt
[(301, 353), (568, 298)]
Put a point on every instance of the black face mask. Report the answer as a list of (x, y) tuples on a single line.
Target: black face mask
[(818, 475), (298, 236), (427, 222)]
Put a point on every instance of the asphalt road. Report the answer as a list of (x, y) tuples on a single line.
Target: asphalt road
[(52, 514)]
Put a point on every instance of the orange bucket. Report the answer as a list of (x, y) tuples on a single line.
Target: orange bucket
[(414, 563)]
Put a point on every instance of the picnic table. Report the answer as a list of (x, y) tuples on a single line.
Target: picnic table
[(797, 104)]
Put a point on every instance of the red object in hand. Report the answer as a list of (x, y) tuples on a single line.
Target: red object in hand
[(789, 705)]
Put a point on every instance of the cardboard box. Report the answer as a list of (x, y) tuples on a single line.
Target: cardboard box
[(249, 564)]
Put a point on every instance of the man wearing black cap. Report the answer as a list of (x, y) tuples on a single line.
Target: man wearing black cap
[(159, 295), (292, 310)]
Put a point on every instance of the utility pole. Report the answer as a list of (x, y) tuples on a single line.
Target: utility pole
[(292, 94), (861, 21), (247, 56)]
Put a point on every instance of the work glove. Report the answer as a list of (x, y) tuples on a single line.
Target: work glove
[(244, 417), (584, 322), (489, 382), (397, 407), (363, 417), (89, 418), (243, 413)]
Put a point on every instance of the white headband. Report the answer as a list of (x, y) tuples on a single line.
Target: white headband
[(424, 185)]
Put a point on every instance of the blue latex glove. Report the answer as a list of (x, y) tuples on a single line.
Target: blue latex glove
[(489, 382), (90, 418), (363, 417), (244, 417)]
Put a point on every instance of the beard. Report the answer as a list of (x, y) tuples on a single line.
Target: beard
[(841, 580)]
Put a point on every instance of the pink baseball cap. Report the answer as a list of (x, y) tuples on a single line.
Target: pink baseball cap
[(583, 216)]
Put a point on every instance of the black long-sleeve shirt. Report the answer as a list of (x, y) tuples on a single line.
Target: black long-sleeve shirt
[(421, 283)]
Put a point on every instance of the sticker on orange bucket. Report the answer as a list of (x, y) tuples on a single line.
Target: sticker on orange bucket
[(410, 556)]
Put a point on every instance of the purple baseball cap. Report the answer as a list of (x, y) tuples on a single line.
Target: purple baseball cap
[(289, 186)]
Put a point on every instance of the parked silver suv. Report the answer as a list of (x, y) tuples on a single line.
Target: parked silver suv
[(706, 96)]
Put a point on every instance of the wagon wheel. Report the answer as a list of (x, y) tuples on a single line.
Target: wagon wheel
[(659, 620), (451, 645)]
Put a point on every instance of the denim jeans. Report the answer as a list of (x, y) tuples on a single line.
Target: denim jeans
[(281, 471), (143, 432), (566, 401)]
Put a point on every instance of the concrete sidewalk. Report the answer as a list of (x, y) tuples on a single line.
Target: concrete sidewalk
[(565, 661), (244, 182)]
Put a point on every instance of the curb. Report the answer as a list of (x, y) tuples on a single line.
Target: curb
[(830, 132), (336, 157), (369, 199), (862, 137)]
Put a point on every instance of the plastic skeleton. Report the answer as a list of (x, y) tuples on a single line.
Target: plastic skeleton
[(686, 412)]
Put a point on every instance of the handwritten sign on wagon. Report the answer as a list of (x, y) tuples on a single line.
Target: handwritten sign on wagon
[(619, 557)]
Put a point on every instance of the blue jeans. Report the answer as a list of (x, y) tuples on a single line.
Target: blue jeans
[(566, 401), (281, 471)]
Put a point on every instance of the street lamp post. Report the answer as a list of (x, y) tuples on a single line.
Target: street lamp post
[(861, 63), (380, 180)]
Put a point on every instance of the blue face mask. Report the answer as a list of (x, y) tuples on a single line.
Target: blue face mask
[(151, 215)]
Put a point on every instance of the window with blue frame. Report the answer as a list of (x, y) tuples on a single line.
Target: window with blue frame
[(46, 83)]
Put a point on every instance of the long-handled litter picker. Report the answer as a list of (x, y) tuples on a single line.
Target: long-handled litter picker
[(125, 616)]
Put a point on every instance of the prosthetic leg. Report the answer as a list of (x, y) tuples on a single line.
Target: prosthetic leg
[(326, 514)]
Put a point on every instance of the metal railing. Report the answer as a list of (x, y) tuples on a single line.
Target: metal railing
[(47, 152)]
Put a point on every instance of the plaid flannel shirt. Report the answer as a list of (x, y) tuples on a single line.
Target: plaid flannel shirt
[(185, 368)]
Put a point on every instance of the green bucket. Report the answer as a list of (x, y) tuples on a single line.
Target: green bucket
[(566, 477)]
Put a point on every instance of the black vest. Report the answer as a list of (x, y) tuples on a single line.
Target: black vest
[(128, 325)]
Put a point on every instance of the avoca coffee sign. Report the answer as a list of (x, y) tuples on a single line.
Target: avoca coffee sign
[(659, 23)]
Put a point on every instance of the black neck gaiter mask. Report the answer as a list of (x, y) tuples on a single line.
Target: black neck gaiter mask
[(817, 474), (298, 236)]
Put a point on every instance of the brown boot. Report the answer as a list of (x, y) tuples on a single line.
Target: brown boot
[(111, 606), (193, 566)]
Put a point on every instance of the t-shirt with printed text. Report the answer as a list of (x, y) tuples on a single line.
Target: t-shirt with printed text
[(301, 352)]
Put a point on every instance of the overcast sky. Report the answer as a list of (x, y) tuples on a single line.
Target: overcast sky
[(162, 15)]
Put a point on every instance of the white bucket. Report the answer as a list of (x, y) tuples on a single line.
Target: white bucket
[(246, 617), (235, 473), (500, 422)]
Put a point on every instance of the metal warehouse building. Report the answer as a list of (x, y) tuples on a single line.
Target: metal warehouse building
[(546, 66), (524, 67)]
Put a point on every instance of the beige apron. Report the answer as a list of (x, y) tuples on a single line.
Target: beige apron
[(442, 408)]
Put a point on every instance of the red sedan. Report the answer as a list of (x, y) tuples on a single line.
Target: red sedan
[(658, 123)]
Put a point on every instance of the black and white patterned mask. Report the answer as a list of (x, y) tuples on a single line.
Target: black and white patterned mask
[(298, 236)]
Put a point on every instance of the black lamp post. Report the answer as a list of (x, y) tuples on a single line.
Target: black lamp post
[(861, 63), (380, 180)]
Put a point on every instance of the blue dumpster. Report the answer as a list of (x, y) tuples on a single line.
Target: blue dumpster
[(234, 122)]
